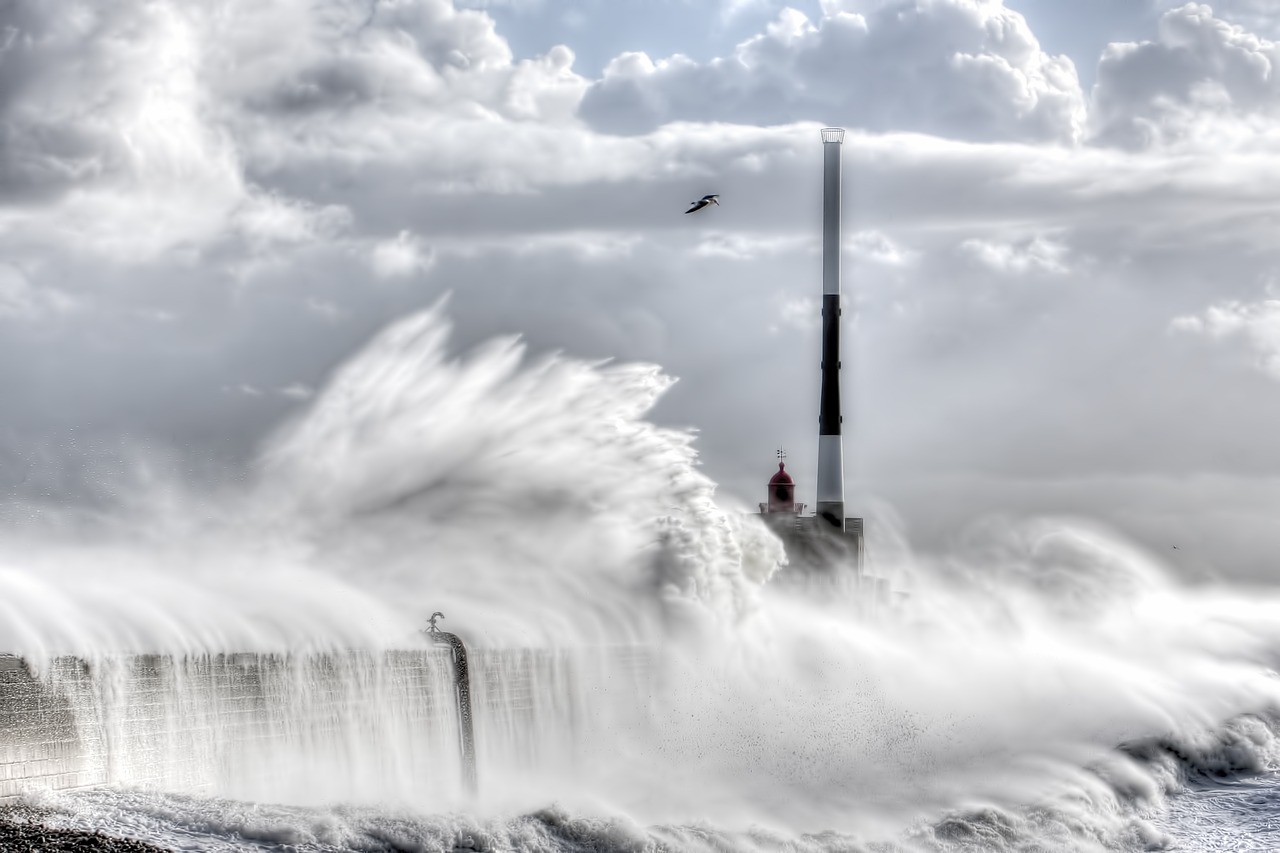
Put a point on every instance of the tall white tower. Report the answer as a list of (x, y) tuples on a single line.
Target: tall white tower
[(830, 503)]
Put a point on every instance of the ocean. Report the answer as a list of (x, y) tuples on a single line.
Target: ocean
[(1238, 815), (1043, 685)]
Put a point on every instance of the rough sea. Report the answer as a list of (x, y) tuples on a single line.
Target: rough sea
[(1043, 685)]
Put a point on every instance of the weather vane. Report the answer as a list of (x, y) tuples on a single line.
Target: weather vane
[(782, 453)]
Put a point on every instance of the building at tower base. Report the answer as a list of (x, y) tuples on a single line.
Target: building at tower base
[(815, 547)]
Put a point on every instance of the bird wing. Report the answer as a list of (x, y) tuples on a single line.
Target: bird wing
[(697, 205), (711, 197)]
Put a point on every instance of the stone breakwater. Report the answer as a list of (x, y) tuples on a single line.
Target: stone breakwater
[(23, 830), (230, 724), (353, 727)]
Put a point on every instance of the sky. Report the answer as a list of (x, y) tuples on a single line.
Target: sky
[(1062, 283)]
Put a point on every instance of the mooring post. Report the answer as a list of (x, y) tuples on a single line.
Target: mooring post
[(462, 693)]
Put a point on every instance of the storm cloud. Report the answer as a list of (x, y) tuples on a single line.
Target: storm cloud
[(1062, 300)]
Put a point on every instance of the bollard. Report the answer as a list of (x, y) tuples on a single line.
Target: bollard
[(462, 693)]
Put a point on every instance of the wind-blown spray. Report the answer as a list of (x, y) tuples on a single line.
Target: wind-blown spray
[(529, 500), (1044, 686)]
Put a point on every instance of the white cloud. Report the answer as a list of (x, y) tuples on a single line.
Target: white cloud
[(267, 219), (20, 300), (802, 313), (1034, 255), (873, 246), (964, 68), (731, 10), (499, 4), (151, 126), (105, 112), (291, 144), (747, 247), (1202, 78), (297, 391), (1256, 324), (1257, 15), (404, 255), (584, 245)]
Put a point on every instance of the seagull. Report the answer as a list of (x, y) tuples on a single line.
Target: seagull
[(703, 202)]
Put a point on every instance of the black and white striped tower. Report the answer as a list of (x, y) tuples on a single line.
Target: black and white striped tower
[(830, 504)]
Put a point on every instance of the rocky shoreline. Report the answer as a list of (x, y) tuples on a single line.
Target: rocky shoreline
[(23, 830)]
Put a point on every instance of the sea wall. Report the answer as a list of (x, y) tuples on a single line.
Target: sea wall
[(39, 743), (233, 724), (317, 728)]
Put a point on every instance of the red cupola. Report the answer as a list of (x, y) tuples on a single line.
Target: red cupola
[(782, 491)]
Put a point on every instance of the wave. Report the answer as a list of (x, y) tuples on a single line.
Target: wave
[(528, 499), (1044, 682), (1118, 805)]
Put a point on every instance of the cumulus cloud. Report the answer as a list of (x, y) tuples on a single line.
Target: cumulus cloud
[(873, 246), (1255, 324), (964, 68), (145, 127), (401, 256), (109, 103), (746, 247), (1256, 15), (222, 198), (1035, 255), (1201, 78)]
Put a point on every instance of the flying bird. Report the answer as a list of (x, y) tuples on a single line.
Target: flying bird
[(703, 202)]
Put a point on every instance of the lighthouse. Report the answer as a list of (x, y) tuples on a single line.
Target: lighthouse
[(826, 541), (830, 512), (830, 441)]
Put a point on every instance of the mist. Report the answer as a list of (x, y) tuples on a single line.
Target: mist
[(530, 500)]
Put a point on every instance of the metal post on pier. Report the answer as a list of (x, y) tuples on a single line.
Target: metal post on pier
[(462, 693)]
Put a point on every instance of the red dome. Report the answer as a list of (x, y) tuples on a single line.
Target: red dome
[(782, 478)]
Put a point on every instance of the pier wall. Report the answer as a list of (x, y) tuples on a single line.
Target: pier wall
[(231, 724), (319, 728)]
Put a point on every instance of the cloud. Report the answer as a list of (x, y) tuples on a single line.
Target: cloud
[(266, 220), (1201, 78), (1256, 15), (964, 68), (733, 9), (1035, 255), (401, 256), (105, 128), (297, 391), (877, 247), (317, 149), (20, 300), (1256, 324), (804, 313), (323, 308), (153, 126), (746, 247)]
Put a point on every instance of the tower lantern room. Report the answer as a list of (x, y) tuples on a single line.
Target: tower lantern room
[(782, 491)]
